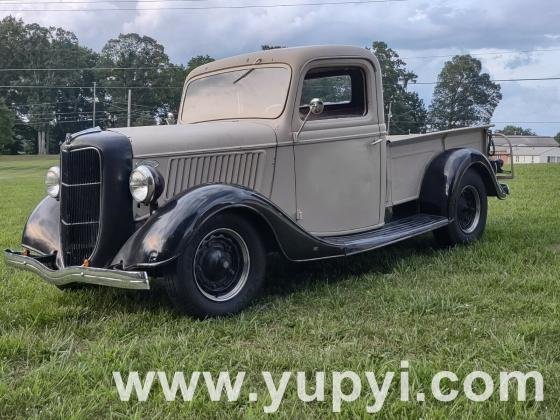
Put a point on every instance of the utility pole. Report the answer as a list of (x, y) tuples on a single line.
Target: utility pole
[(94, 100), (389, 118), (129, 107)]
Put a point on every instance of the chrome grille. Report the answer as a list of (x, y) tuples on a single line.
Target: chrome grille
[(80, 196)]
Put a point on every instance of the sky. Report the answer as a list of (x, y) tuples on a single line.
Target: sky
[(507, 34)]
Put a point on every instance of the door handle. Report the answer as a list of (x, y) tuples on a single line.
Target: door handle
[(373, 143)]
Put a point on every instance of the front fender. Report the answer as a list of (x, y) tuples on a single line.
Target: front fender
[(41, 233), (161, 239), (444, 174)]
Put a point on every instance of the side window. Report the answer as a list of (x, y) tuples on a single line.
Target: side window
[(342, 90)]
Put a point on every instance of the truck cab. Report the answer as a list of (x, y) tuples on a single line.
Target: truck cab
[(283, 150)]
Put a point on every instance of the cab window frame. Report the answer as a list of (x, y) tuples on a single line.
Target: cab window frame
[(336, 110)]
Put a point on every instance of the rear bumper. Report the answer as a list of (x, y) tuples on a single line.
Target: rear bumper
[(88, 275)]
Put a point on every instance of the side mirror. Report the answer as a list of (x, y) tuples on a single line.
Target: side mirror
[(170, 119), (316, 107)]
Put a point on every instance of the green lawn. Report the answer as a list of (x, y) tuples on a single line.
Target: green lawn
[(491, 306)]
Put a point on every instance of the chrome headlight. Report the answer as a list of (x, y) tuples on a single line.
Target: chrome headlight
[(52, 181), (146, 184)]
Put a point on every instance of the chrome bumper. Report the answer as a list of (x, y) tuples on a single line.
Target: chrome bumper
[(77, 274)]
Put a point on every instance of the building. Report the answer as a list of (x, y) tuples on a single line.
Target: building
[(528, 149)]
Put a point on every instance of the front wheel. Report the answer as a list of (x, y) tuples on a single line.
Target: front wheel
[(220, 271), (468, 210)]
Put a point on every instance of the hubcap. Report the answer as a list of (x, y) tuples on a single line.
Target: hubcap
[(468, 209), (221, 265)]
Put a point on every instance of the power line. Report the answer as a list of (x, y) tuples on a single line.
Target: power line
[(10, 2), (65, 121), (491, 122), (171, 67), (178, 67), (246, 6), (17, 106), (86, 87), (522, 79), (53, 114), (480, 54), (217, 7), (86, 69), (14, 105), (526, 79)]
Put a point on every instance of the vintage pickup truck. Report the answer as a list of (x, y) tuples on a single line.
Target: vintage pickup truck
[(283, 150)]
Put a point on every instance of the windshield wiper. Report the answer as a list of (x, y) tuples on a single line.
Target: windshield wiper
[(248, 72), (244, 75)]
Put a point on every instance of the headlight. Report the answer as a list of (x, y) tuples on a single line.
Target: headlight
[(146, 184), (52, 181)]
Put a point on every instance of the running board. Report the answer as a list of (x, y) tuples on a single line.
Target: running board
[(392, 232)]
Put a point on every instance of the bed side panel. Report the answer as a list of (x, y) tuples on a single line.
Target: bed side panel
[(410, 156)]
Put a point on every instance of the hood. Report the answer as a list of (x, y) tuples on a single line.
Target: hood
[(162, 140)]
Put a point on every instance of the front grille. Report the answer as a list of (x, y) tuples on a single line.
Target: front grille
[(80, 197)]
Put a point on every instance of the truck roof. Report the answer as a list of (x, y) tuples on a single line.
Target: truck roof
[(294, 57)]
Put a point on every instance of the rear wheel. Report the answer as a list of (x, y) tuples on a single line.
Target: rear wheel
[(468, 210), (220, 271)]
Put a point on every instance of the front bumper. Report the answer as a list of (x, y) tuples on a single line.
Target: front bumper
[(77, 274)]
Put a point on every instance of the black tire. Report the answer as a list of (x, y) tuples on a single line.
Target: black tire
[(468, 210), (220, 271)]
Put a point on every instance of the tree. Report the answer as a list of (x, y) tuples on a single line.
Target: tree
[(149, 73), (557, 137), (407, 109), (513, 130), (198, 61), (6, 129), (463, 96), (56, 111)]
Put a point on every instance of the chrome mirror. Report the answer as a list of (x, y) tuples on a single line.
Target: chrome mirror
[(170, 119), (316, 107)]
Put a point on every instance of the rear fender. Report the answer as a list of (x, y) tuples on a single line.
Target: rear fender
[(444, 175), (161, 239)]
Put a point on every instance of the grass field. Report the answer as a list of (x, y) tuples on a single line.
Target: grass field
[(491, 306)]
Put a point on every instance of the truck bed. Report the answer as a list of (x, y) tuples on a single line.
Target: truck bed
[(409, 155)]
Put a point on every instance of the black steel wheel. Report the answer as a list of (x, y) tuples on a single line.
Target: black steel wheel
[(221, 269), (221, 265), (468, 210)]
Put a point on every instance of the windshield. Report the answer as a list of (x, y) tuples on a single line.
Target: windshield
[(248, 93)]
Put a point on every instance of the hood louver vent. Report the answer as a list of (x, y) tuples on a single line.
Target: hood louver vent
[(231, 168)]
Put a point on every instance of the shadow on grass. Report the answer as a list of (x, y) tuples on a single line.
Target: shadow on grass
[(283, 277), (286, 277)]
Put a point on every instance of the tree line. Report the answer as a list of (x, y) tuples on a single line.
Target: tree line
[(52, 89)]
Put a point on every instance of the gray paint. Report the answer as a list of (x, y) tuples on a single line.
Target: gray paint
[(336, 178)]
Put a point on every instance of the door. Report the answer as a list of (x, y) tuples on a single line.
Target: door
[(339, 154)]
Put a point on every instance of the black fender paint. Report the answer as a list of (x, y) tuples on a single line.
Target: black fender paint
[(41, 233), (444, 174), (165, 234)]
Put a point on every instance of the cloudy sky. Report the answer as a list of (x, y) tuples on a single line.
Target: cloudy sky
[(501, 31)]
